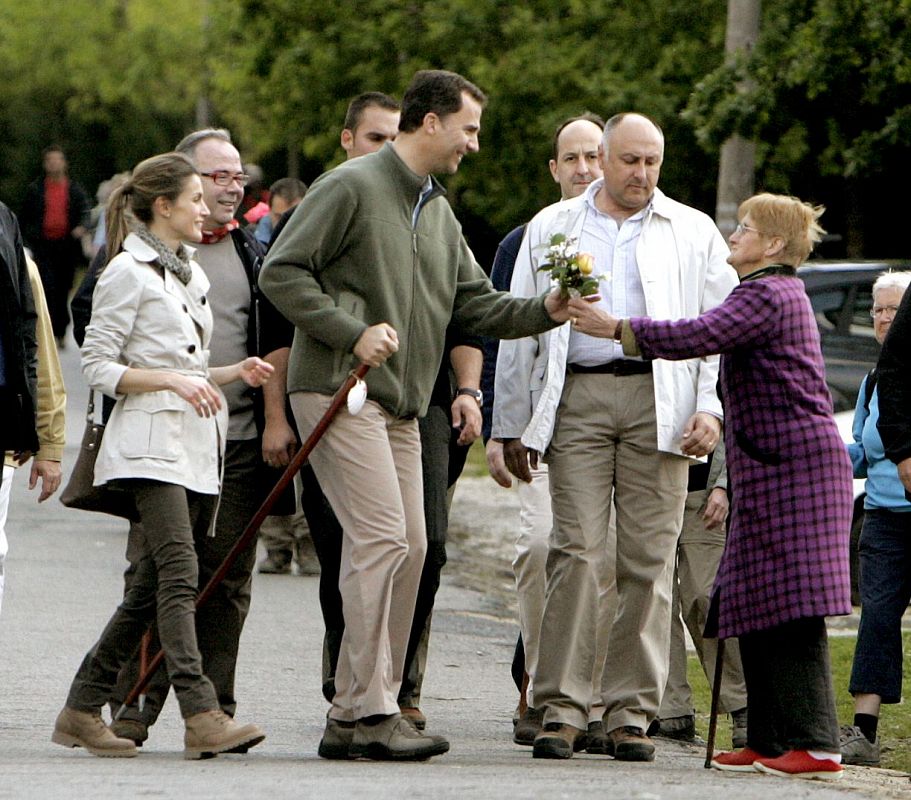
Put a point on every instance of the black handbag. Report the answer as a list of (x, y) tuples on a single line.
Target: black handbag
[(79, 491)]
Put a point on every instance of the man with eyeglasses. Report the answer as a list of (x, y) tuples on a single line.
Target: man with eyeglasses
[(258, 429)]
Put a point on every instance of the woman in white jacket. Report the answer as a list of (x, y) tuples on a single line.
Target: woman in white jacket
[(147, 346)]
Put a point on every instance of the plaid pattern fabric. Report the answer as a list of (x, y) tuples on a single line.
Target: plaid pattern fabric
[(786, 556)]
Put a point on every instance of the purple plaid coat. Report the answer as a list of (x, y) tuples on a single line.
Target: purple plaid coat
[(786, 555)]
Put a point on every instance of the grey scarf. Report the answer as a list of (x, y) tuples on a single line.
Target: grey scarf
[(176, 262)]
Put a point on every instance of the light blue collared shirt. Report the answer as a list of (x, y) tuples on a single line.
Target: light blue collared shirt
[(614, 247)]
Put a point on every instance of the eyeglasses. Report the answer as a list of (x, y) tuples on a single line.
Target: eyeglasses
[(222, 177), (741, 228), (878, 311)]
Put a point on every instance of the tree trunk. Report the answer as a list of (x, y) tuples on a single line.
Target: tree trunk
[(737, 162)]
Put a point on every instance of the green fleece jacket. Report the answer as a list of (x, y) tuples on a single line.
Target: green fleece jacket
[(349, 258)]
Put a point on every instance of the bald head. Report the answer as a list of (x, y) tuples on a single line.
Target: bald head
[(632, 151), (575, 163)]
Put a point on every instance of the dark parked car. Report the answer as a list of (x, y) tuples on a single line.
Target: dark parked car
[(841, 295)]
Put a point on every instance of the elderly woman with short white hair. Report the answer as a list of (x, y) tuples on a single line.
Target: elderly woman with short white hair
[(885, 554)]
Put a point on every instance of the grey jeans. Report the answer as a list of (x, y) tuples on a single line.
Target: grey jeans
[(163, 588)]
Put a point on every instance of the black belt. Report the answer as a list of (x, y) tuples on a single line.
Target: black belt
[(619, 366)]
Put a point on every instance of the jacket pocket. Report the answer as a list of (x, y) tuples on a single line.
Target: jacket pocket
[(763, 456), (153, 425)]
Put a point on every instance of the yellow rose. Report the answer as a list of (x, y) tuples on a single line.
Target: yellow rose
[(585, 262)]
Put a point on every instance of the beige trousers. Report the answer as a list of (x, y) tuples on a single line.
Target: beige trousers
[(698, 555), (369, 467), (605, 439), (529, 568)]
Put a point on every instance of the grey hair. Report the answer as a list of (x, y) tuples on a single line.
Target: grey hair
[(191, 141), (892, 280)]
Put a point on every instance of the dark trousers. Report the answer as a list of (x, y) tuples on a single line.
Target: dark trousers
[(57, 260), (789, 688), (220, 621), (885, 591), (163, 588), (435, 439), (326, 532)]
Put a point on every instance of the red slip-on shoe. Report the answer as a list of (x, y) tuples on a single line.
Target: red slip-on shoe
[(800, 764), (736, 761)]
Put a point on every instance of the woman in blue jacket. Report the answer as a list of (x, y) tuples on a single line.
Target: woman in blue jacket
[(885, 554)]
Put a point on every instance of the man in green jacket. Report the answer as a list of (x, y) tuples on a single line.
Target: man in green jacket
[(372, 267)]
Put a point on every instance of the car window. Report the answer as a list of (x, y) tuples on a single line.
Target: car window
[(861, 321), (827, 305)]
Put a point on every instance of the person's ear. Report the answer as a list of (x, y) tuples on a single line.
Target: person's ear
[(431, 122), (347, 139), (162, 206), (775, 247)]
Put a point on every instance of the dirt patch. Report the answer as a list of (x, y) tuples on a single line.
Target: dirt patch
[(482, 531)]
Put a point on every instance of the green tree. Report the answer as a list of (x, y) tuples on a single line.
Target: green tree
[(112, 81), (827, 93), (290, 67)]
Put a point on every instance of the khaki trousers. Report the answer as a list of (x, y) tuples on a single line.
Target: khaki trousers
[(605, 440), (529, 567), (369, 467), (698, 555)]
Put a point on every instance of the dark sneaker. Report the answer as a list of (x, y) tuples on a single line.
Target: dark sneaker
[(557, 740), (681, 729), (394, 739), (630, 743), (415, 716), (596, 741), (528, 727), (277, 562), (131, 729), (739, 728), (856, 748), (336, 739)]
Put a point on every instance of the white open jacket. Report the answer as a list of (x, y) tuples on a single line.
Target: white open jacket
[(681, 257)]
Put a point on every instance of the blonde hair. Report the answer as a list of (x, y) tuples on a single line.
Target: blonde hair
[(158, 176), (789, 218)]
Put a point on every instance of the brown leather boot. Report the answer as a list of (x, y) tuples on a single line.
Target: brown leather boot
[(212, 732), (558, 741), (86, 729)]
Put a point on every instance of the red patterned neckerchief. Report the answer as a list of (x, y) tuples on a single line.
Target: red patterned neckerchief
[(217, 234)]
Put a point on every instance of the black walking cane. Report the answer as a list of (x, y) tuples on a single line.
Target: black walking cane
[(241, 544), (713, 714)]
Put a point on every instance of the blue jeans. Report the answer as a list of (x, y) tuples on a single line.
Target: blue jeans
[(885, 591)]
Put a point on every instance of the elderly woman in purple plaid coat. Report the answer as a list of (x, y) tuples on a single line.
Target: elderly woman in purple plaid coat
[(785, 565)]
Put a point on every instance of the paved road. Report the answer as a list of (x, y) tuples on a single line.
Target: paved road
[(63, 580)]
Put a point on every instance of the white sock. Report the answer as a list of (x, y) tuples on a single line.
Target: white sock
[(818, 754)]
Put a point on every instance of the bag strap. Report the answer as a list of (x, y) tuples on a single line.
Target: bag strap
[(868, 388)]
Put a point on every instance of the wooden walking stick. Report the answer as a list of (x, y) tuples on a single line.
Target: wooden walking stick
[(341, 397), (713, 714)]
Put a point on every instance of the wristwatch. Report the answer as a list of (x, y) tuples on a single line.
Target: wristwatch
[(477, 394)]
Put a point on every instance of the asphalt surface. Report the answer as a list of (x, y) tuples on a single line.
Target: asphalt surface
[(64, 580)]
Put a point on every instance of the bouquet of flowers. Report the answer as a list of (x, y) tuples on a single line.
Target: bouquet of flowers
[(570, 269)]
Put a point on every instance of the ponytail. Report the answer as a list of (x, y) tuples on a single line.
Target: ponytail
[(116, 225)]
